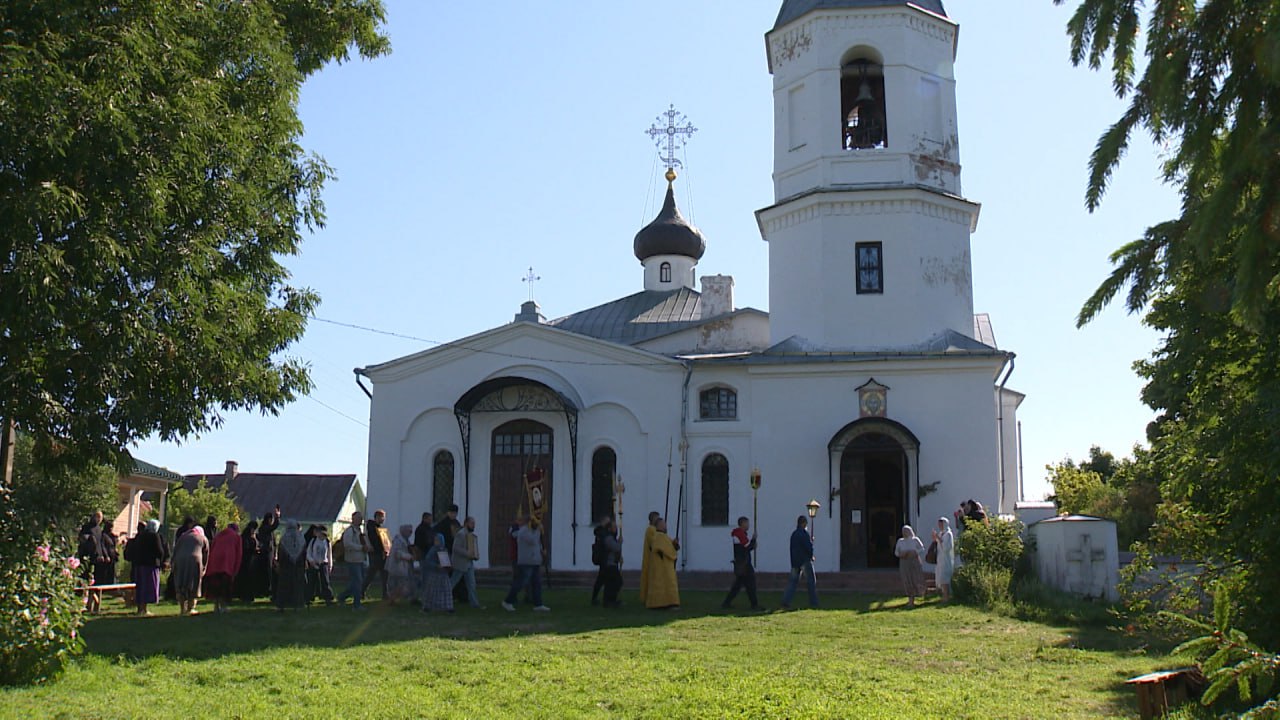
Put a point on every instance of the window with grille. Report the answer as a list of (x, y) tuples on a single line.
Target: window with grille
[(870, 268), (715, 490), (720, 403), (441, 483)]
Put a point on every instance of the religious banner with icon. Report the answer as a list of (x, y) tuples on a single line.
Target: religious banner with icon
[(535, 491)]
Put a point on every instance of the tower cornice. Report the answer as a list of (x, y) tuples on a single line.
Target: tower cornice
[(876, 200)]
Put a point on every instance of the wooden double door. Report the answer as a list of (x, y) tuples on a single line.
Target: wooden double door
[(518, 448), (873, 501)]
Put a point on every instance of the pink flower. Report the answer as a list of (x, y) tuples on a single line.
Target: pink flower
[(66, 572), (74, 562), (73, 634), (43, 552), (44, 622)]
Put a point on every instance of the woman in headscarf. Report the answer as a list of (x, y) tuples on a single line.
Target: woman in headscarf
[(400, 566), (146, 555), (291, 567), (246, 579), (437, 593), (946, 564), (225, 557), (908, 550), (190, 557)]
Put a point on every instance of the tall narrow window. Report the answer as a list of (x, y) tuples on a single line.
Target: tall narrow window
[(715, 490), (870, 268), (441, 482), (719, 403), (664, 272), (604, 466), (862, 106)]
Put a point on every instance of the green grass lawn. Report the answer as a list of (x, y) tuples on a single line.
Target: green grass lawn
[(858, 657)]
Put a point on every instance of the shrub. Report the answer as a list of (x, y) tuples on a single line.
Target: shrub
[(995, 545), (984, 586), (40, 611)]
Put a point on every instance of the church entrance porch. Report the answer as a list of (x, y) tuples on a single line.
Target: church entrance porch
[(519, 483), (874, 476)]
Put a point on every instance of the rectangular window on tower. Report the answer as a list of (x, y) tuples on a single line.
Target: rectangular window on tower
[(870, 268)]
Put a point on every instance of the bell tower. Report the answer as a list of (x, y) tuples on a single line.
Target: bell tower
[(869, 233)]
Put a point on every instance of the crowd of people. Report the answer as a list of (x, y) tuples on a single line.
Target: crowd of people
[(433, 565)]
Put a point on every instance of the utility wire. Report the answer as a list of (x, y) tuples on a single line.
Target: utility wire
[(484, 351)]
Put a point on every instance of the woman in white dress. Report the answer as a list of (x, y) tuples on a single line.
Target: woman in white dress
[(946, 564)]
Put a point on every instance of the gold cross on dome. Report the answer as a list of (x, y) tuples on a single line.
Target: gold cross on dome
[(672, 136)]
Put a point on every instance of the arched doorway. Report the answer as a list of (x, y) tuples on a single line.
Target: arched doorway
[(875, 461), (521, 449)]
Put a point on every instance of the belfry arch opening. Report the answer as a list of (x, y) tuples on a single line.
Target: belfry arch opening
[(863, 122)]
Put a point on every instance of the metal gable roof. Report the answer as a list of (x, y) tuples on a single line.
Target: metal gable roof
[(637, 317), (300, 496), (794, 9)]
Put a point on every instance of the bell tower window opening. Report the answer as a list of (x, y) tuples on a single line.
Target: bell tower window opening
[(870, 268), (862, 105), (664, 272)]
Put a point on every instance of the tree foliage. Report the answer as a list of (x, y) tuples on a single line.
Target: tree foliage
[(151, 180), (1125, 490), (200, 502), (1209, 279), (59, 497)]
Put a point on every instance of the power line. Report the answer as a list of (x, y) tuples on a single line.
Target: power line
[(336, 410), (484, 351)]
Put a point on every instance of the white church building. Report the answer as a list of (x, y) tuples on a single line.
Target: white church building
[(870, 386)]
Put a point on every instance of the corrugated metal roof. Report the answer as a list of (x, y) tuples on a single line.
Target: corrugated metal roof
[(300, 496), (146, 469), (792, 9), (638, 317)]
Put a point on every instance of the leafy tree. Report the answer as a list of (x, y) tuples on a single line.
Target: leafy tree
[(58, 497), (201, 502), (151, 180), (1209, 278), (1125, 490)]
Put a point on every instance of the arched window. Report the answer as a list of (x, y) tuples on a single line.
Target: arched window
[(441, 482), (604, 466), (715, 490), (718, 403), (664, 272), (862, 105)]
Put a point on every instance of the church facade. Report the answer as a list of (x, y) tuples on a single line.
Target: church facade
[(869, 387)]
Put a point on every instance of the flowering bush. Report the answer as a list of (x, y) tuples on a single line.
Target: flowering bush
[(40, 611)]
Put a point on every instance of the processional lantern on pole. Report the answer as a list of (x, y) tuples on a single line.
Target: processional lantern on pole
[(618, 490), (813, 508)]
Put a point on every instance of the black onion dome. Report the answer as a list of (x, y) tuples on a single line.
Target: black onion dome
[(669, 234)]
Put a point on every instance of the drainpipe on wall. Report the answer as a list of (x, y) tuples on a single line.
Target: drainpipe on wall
[(684, 459), (1008, 370)]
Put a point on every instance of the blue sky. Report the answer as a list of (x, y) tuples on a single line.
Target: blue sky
[(503, 135)]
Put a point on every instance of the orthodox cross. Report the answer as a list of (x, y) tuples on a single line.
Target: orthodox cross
[(672, 136), (531, 278)]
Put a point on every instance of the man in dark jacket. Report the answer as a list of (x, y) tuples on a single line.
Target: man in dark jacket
[(801, 562), (379, 549), (744, 574), (611, 569), (598, 553)]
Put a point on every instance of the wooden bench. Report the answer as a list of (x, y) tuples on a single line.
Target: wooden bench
[(95, 591)]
